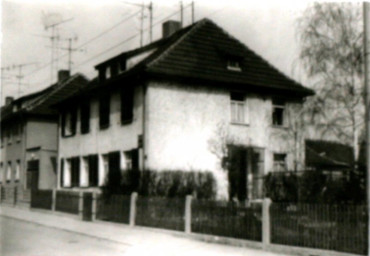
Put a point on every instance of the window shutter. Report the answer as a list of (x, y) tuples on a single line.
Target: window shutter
[(73, 120), (114, 169), (104, 110), (63, 123), (135, 159), (61, 172), (75, 162), (85, 116), (93, 170), (127, 104)]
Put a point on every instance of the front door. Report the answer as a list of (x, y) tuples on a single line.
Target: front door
[(33, 174)]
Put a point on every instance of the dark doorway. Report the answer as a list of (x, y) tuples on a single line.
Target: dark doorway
[(33, 174)]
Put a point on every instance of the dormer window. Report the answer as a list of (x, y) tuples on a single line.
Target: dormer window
[(108, 72), (121, 66), (233, 65)]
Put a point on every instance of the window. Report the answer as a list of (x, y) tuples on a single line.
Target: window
[(132, 159), (84, 181), (93, 170), (104, 110), (69, 120), (103, 169), (85, 116), (239, 113), (32, 174), (108, 72), (17, 170), (75, 171), (278, 112), (280, 162), (121, 66), (9, 172), (17, 132), (233, 65), (127, 104)]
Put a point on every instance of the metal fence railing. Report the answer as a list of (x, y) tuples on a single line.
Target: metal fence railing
[(67, 201), (331, 227), (115, 208), (227, 219), (160, 212), (41, 199)]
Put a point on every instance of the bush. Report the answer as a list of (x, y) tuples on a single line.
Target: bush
[(313, 187), (164, 183)]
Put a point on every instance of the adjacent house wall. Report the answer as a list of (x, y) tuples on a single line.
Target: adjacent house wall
[(182, 120)]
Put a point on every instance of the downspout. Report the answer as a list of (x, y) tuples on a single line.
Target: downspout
[(144, 125)]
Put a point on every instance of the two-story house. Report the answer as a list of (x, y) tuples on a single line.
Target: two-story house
[(29, 138), (177, 104)]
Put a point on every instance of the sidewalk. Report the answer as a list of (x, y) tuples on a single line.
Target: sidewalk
[(140, 240)]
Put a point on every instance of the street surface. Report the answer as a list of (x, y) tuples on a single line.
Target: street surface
[(20, 238)]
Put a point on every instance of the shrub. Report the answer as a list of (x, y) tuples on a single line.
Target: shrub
[(164, 183)]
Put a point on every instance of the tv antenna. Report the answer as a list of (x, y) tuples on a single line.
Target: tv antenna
[(52, 21)]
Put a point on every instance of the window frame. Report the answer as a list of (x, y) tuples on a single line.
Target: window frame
[(236, 105), (278, 105), (281, 163)]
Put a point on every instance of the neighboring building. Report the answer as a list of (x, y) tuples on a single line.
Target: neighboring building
[(175, 104), (29, 138)]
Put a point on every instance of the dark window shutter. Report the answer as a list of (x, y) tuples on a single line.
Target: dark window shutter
[(63, 124), (93, 170), (135, 159), (104, 111), (73, 120), (127, 104), (114, 175), (61, 172), (75, 162), (85, 116)]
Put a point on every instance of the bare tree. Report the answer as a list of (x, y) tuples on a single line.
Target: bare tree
[(331, 51)]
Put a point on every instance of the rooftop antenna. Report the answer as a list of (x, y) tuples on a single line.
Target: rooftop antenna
[(52, 21), (20, 75), (70, 50)]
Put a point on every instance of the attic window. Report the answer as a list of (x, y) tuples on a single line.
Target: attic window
[(108, 72), (234, 65)]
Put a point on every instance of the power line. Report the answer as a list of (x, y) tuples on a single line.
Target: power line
[(128, 39), (84, 44)]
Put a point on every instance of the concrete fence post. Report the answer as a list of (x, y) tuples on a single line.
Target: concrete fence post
[(266, 228), (133, 209), (188, 214), (80, 204), (93, 206), (53, 199)]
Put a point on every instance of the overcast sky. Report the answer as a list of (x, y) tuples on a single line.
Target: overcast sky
[(267, 27)]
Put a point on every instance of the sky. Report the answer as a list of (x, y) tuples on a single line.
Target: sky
[(102, 29)]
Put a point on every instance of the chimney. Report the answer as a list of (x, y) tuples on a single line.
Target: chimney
[(170, 27), (8, 100), (63, 75)]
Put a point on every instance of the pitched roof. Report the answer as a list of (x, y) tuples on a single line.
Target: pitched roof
[(41, 101), (201, 51), (328, 154)]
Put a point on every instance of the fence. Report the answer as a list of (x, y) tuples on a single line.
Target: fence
[(115, 208), (227, 219), (42, 199), (67, 201), (340, 228), (332, 227), (160, 212)]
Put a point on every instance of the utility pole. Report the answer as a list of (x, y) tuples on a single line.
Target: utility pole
[(366, 14), (150, 7)]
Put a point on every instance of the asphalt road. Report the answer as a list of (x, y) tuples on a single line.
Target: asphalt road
[(21, 238)]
